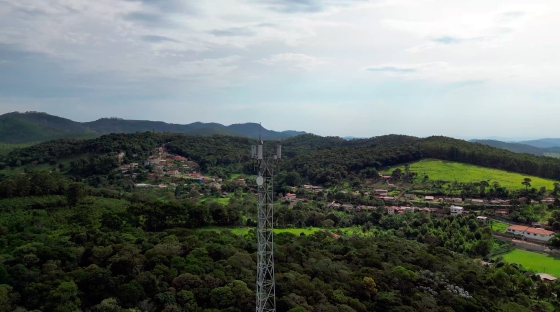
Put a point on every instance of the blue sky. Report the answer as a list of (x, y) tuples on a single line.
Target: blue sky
[(467, 69)]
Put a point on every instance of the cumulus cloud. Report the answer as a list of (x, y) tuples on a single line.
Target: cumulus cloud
[(199, 55)]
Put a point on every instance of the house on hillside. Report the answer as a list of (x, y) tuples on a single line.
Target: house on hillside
[(456, 210), (392, 210), (457, 200), (501, 212), (290, 197), (428, 198), (546, 278), (482, 220), (477, 201), (530, 232), (410, 196), (381, 192), (548, 200), (388, 198)]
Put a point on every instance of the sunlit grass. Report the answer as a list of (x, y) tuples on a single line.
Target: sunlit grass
[(454, 171), (535, 261), (499, 226)]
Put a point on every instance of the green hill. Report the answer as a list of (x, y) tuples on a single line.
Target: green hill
[(453, 171), (38, 127)]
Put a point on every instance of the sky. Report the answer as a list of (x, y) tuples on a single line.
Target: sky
[(466, 69)]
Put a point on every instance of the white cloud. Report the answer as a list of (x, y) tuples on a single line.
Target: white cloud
[(236, 53), (294, 59)]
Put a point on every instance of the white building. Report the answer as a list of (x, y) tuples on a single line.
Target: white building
[(530, 232), (482, 219), (456, 210)]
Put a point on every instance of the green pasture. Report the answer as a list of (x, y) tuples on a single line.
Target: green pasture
[(535, 261), (223, 201), (453, 171), (499, 226)]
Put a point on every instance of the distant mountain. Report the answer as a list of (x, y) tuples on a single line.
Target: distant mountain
[(37, 127), (521, 148), (543, 143)]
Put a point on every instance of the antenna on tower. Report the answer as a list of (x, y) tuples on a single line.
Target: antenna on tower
[(260, 140), (266, 289)]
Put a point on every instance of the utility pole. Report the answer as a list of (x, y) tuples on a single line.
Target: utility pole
[(265, 295)]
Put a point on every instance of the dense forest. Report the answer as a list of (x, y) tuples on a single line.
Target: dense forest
[(66, 247), (76, 236), (319, 160)]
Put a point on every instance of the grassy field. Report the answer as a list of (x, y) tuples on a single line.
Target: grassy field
[(223, 201), (499, 226), (535, 261), (454, 171), (5, 148)]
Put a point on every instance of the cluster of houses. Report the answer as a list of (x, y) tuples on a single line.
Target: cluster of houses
[(163, 163)]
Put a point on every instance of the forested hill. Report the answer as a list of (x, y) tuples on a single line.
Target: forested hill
[(38, 127), (320, 160)]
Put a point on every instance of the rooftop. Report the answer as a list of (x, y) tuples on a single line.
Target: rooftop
[(548, 277), (528, 229)]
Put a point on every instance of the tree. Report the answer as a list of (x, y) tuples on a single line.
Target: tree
[(222, 297), (76, 193), (64, 298), (370, 285), (107, 305), (527, 183), (5, 301)]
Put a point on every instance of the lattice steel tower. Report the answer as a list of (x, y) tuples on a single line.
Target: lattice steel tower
[(266, 298)]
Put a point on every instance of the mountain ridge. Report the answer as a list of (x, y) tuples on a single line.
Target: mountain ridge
[(24, 127), (521, 147)]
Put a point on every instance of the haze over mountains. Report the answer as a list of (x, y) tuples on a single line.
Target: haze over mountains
[(541, 147), (37, 127)]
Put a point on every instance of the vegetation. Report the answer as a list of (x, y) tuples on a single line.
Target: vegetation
[(77, 235), (76, 251), (453, 171), (5, 148), (535, 261), (498, 226), (38, 127)]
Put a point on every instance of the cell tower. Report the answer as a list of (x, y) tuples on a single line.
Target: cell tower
[(266, 298)]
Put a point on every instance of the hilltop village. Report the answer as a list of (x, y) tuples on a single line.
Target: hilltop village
[(165, 170)]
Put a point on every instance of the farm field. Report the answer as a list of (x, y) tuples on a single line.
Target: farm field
[(534, 261), (453, 171)]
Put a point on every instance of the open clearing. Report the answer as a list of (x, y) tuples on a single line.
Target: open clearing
[(453, 171), (535, 261), (499, 226)]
